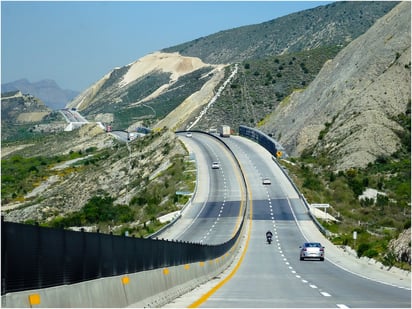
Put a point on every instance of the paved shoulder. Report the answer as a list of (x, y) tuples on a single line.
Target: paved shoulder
[(364, 267)]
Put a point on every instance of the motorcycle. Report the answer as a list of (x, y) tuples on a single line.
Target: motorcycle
[(269, 238)]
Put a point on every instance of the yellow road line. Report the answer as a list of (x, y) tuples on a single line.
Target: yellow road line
[(239, 217), (205, 297), (238, 176)]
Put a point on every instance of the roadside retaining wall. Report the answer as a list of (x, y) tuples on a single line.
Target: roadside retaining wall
[(152, 288)]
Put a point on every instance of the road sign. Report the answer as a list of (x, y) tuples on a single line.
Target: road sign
[(320, 205)]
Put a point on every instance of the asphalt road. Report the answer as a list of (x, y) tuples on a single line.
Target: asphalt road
[(216, 210), (272, 275)]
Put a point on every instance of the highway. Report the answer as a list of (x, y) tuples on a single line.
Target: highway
[(272, 275), (73, 116), (218, 205)]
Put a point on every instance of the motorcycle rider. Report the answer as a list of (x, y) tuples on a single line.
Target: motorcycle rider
[(269, 236)]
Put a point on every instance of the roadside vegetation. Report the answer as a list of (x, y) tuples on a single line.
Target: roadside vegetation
[(168, 191), (13, 131), (376, 221), (20, 175), (139, 218), (261, 84)]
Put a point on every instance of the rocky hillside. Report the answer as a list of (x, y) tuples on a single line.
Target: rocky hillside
[(349, 110), (259, 86), (334, 24), (19, 108), (150, 88), (147, 89), (105, 168), (47, 90), (23, 115), (401, 246)]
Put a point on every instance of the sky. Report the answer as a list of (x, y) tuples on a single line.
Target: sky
[(76, 43)]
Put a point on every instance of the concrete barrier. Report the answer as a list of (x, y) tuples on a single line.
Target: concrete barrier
[(152, 288)]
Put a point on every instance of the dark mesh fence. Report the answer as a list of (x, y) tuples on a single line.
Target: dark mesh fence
[(261, 138), (36, 257)]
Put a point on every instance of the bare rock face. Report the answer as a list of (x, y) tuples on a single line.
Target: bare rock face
[(401, 247), (348, 111)]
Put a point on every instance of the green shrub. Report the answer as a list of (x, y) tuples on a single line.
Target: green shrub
[(362, 248)]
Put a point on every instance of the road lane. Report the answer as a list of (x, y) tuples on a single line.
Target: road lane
[(217, 205), (272, 275)]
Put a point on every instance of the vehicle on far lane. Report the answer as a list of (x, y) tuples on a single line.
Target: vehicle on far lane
[(215, 165), (266, 181), (312, 250), (189, 134)]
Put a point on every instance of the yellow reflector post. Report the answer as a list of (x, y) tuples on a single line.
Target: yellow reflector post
[(187, 266), (166, 271), (125, 280), (34, 299), (279, 154)]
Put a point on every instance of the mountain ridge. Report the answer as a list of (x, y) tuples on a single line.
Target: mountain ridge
[(351, 92), (119, 98), (331, 24)]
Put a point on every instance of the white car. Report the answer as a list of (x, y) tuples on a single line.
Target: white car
[(266, 181), (189, 134), (312, 250), (215, 165)]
